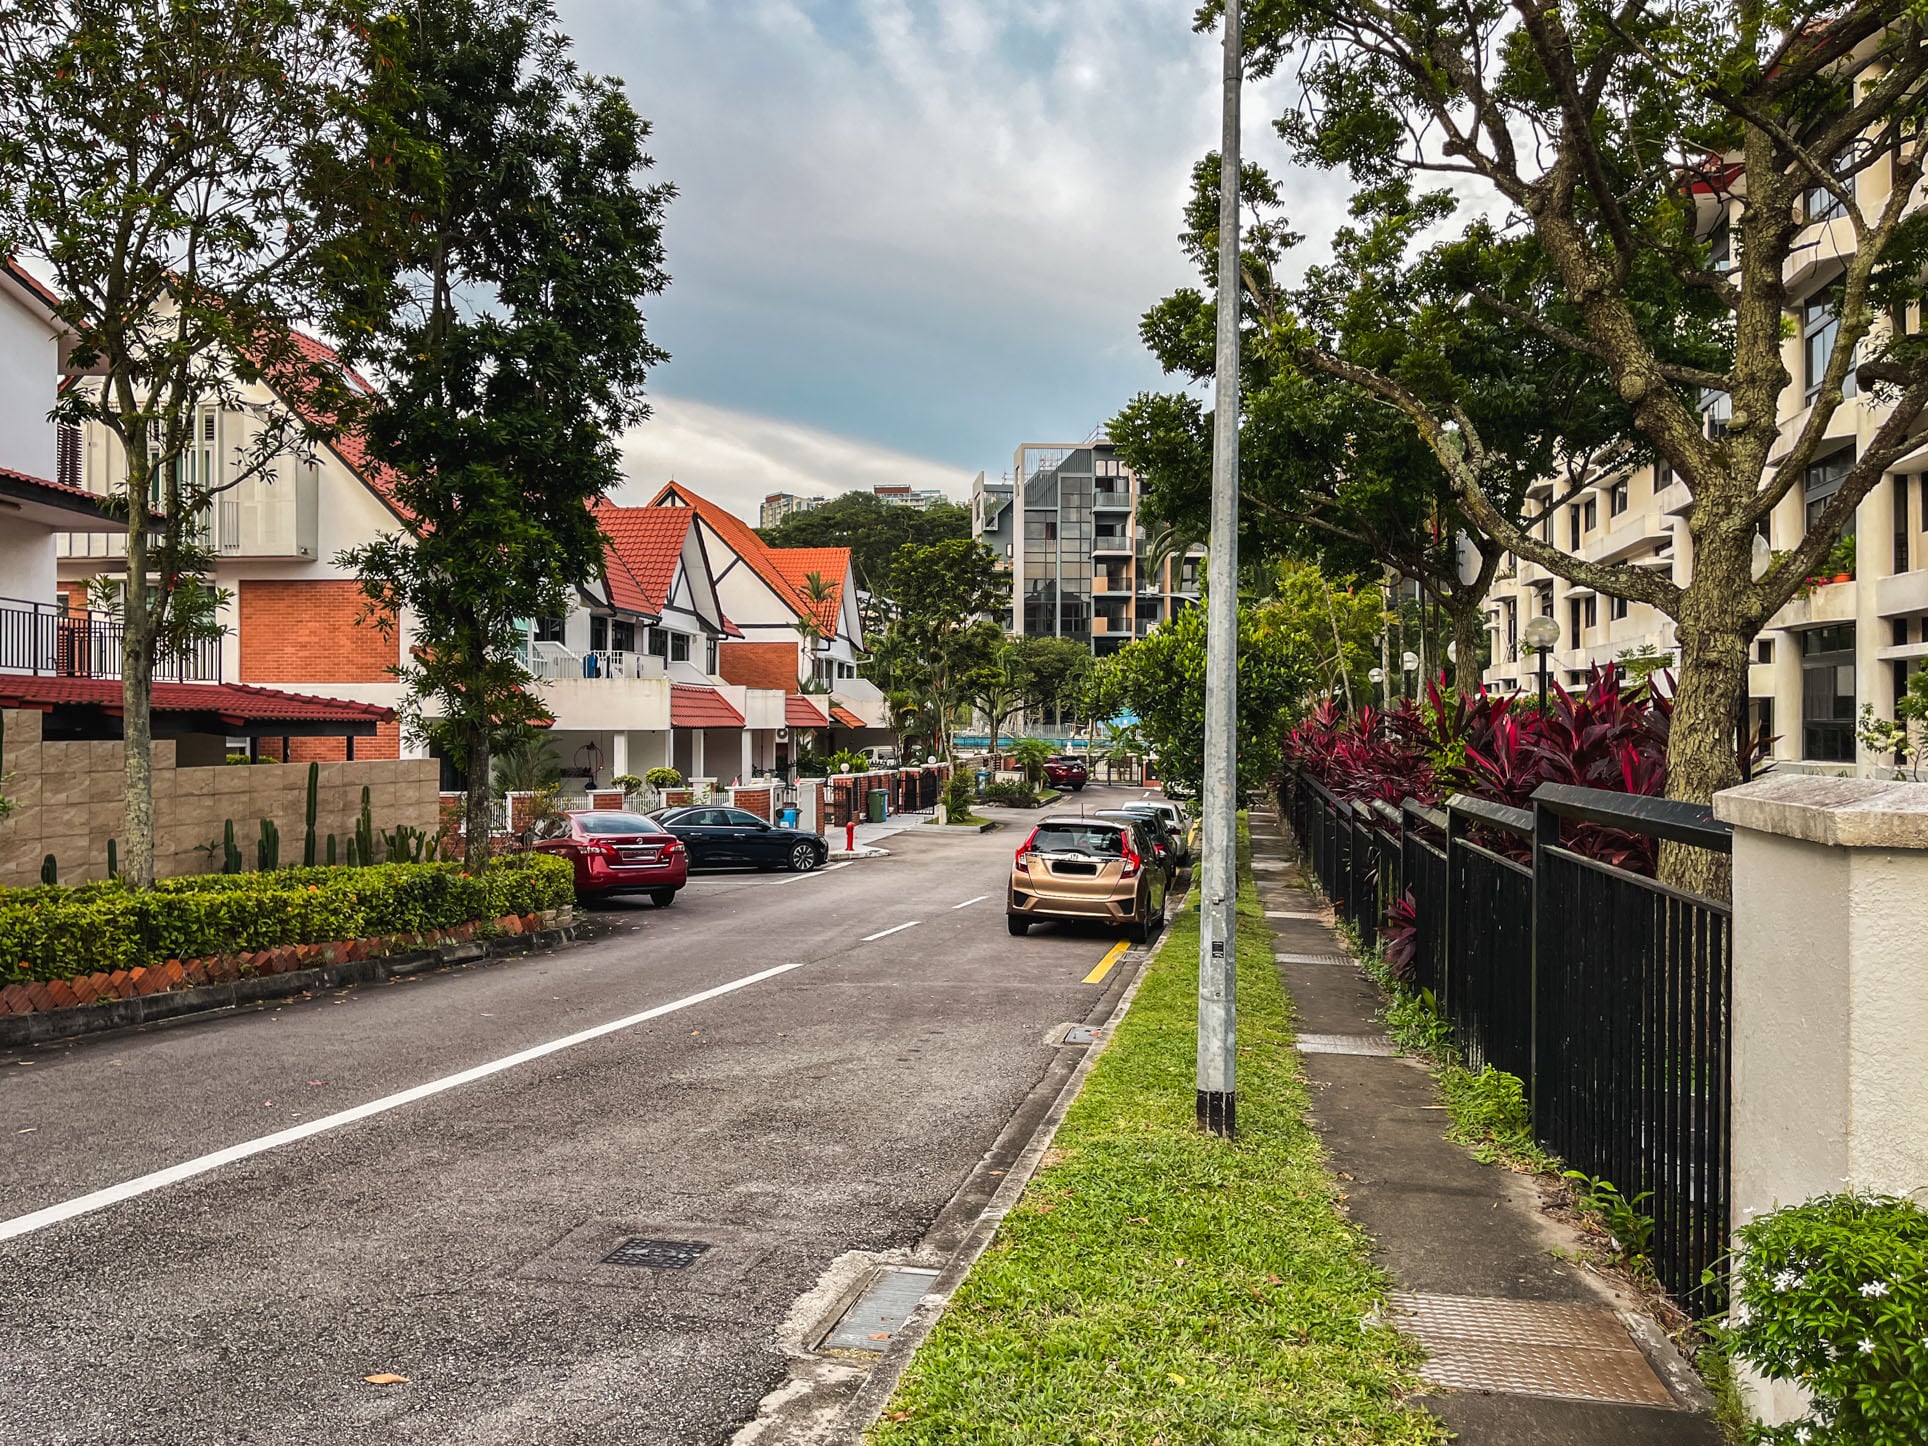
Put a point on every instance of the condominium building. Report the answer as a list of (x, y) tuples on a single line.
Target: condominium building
[(1858, 629), (1081, 565), (779, 505)]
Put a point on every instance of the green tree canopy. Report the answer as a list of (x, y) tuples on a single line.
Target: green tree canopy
[(873, 530), (937, 641)]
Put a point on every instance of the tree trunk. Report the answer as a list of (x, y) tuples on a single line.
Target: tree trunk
[(1703, 753), (1468, 628), (475, 854), (137, 701)]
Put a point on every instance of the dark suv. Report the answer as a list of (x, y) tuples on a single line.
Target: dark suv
[(1064, 771)]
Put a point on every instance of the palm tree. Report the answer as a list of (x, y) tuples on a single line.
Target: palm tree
[(998, 693), (1122, 744)]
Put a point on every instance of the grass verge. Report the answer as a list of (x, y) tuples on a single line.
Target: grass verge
[(1154, 1285)]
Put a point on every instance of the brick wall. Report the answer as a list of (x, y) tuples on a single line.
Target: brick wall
[(755, 800), (68, 802), (386, 742), (297, 632)]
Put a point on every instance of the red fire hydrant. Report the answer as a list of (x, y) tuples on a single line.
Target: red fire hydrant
[(850, 836)]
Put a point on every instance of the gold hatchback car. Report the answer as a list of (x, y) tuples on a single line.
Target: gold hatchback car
[(1088, 868)]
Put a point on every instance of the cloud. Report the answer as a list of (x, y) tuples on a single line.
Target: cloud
[(736, 458)]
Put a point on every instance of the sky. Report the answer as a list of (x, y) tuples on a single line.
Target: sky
[(907, 236)]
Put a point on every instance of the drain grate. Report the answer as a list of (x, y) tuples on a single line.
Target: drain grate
[(1311, 958), (875, 1316), (1345, 1044), (656, 1254), (1528, 1348)]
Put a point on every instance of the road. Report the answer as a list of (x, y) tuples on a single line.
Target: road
[(455, 1237)]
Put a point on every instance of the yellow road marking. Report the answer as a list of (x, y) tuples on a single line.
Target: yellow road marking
[(1097, 976)]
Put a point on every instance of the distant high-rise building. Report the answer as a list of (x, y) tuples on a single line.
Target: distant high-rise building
[(779, 505), (902, 494), (1081, 567)]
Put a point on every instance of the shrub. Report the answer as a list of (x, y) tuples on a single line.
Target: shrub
[(1010, 795), (957, 798), (57, 933), (1030, 755), (628, 782), (663, 778), (1832, 1295)]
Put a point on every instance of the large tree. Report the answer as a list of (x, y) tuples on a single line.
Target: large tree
[(511, 342), (147, 160), (872, 529), (1647, 175), (937, 640)]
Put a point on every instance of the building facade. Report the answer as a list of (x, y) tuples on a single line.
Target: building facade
[(1859, 627), (779, 505), (1081, 565)]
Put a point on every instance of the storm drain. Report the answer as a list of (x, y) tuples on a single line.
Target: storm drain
[(656, 1254), (1295, 913), (1080, 1034), (881, 1310), (1527, 1348), (1311, 958), (1345, 1044)]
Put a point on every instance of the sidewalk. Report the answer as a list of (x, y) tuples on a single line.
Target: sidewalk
[(1533, 1349)]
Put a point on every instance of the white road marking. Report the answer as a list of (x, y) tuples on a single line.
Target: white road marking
[(201, 1165), (817, 873), (868, 937), (968, 902)]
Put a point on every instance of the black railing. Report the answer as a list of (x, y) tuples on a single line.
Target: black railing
[(49, 641), (1605, 992)]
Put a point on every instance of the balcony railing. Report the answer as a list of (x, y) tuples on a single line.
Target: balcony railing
[(554, 663), (48, 641)]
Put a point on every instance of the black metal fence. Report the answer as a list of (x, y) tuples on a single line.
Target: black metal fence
[(1605, 992), (49, 641)]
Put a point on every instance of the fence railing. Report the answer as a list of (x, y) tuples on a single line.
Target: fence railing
[(50, 641), (1605, 992)]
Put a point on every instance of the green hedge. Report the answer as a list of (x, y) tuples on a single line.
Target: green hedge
[(52, 932)]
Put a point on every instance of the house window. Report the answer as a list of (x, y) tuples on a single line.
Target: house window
[(1822, 480), (709, 657), (1764, 650), (1827, 694), (1901, 632), (1617, 609), (1818, 203), (1820, 326), (598, 633), (1582, 613), (679, 647), (1720, 248), (1716, 411), (622, 636), (548, 630), (1620, 497), (658, 643), (1573, 529), (1901, 524)]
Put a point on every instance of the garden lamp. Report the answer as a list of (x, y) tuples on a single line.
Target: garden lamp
[(1541, 634), (1408, 663), (1762, 558), (1378, 676)]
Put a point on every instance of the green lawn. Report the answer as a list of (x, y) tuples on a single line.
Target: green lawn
[(1155, 1286)]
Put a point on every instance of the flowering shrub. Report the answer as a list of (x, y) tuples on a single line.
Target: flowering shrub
[(1832, 1295)]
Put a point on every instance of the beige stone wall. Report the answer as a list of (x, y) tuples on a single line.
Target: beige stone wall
[(68, 802)]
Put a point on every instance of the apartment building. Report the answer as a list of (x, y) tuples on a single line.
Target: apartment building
[(779, 505), (1859, 628), (1081, 565)]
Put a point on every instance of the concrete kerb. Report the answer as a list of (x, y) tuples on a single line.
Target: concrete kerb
[(881, 1384), (45, 1026)]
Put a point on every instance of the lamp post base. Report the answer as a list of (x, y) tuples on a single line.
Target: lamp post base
[(1218, 1112)]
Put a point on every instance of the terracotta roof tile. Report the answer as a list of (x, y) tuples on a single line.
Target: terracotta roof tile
[(845, 718), (773, 565), (694, 706), (645, 546), (830, 563), (801, 711), (239, 702)]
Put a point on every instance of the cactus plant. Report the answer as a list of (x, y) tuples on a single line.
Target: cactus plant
[(113, 859), (365, 833), (314, 792), (331, 851), (267, 850), (49, 870), (230, 850)]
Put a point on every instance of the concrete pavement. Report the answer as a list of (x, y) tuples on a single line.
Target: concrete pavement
[(457, 1239)]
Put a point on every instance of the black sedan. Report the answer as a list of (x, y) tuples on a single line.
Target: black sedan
[(722, 837)]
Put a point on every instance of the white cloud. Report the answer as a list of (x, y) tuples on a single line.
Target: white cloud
[(735, 458)]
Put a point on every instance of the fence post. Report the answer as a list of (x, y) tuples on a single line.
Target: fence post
[(1546, 835), (1447, 997)]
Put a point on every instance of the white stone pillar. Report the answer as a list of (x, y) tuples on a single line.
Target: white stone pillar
[(1828, 1015), (747, 769), (619, 753)]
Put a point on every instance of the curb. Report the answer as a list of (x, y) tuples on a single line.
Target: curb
[(880, 1384), (869, 851), (46, 1025)]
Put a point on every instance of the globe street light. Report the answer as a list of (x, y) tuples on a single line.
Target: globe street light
[(1541, 634), (1408, 663), (1378, 676)]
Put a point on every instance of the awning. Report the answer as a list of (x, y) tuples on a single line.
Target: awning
[(802, 712), (212, 707), (693, 706), (845, 718)]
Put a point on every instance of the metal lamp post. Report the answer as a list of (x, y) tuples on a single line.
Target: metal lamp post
[(1408, 665), (1378, 676), (1541, 634)]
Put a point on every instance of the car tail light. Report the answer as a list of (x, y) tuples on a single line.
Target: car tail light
[(672, 848), (1132, 862), (596, 851), (1024, 853)]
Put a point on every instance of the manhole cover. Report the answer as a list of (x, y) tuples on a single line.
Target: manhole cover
[(1345, 1044), (656, 1254), (1527, 1347)]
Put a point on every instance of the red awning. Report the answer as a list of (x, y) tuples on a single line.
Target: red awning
[(802, 712), (845, 718), (232, 704), (693, 706)]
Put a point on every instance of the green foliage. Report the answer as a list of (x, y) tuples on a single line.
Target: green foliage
[(874, 531), (1489, 1114), (1161, 679), (1631, 1230), (663, 778), (1642, 662), (629, 783), (56, 933), (267, 848), (406, 844), (113, 858), (526, 764), (50, 870), (1904, 740), (1330, 627), (1052, 673), (230, 850), (938, 639), (836, 761), (331, 851), (1832, 1295), (1030, 755), (308, 815), (365, 833), (957, 798), (517, 245), (1010, 795)]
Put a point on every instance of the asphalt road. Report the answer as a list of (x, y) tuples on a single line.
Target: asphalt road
[(456, 1238)]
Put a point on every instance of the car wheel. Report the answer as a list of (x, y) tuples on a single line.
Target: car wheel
[(804, 858), (1077, 788), (662, 898), (1017, 925)]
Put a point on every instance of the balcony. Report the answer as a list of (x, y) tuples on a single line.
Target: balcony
[(50, 642), (1111, 499), (554, 663)]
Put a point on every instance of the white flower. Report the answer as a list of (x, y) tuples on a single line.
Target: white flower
[(1867, 1346), (1786, 1280), (1874, 1288), (1801, 1433)]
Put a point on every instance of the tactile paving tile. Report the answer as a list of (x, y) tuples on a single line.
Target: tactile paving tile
[(1527, 1348), (1345, 1044)]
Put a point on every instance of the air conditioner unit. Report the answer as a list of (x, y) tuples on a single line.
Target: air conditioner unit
[(783, 735)]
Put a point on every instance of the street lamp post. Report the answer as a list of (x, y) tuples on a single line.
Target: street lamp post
[(1542, 635), (1378, 676), (1408, 664)]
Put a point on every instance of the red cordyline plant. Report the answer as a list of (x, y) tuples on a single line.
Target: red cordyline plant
[(1611, 735)]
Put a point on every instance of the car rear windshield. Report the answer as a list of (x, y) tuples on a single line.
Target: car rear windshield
[(1101, 840), (617, 823)]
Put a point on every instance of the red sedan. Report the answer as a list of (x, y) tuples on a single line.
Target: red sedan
[(620, 853)]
